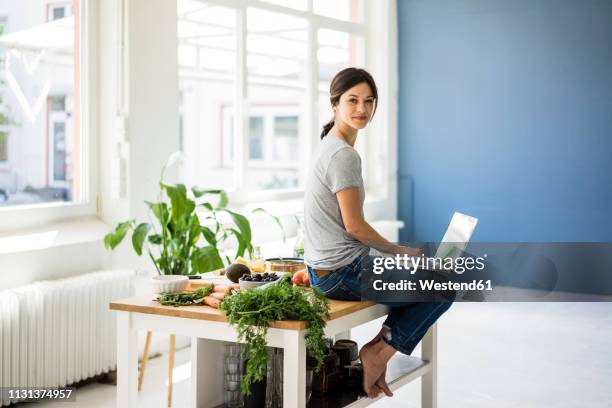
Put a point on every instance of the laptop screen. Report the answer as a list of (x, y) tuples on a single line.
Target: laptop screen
[(457, 236)]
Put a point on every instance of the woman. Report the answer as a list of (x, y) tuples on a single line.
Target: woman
[(337, 237)]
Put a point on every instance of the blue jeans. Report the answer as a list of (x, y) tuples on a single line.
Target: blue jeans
[(407, 322)]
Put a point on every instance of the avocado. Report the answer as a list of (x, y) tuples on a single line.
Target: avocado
[(235, 271)]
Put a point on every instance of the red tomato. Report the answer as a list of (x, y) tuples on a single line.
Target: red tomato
[(298, 278)]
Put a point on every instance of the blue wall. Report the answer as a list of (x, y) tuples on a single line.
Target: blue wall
[(506, 114)]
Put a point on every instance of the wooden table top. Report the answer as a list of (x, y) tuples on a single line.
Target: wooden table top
[(146, 304)]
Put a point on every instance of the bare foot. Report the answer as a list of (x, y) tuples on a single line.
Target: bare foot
[(376, 391), (382, 384), (373, 367)]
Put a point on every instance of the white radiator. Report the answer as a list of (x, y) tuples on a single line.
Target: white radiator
[(56, 333)]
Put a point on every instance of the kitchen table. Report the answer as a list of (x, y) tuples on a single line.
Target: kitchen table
[(209, 330)]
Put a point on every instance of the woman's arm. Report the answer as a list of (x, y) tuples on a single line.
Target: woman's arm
[(358, 227)]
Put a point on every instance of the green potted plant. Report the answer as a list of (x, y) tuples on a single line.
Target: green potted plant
[(185, 235)]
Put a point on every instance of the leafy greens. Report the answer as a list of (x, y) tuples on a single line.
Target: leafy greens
[(251, 311)]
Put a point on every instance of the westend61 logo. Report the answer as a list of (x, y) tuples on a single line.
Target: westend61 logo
[(458, 265)]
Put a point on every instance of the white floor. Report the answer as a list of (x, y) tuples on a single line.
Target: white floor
[(502, 355)]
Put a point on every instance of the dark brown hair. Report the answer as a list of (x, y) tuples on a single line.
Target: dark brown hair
[(342, 82)]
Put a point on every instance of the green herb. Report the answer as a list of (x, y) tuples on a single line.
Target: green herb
[(252, 310), (185, 298)]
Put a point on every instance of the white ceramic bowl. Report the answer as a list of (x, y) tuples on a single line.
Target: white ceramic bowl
[(169, 283), (256, 284), (250, 284)]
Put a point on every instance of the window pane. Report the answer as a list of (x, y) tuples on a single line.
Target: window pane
[(276, 46), (286, 142), (38, 116), (207, 63), (276, 53), (347, 10)]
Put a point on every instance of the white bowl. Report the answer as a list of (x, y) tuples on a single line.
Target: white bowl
[(169, 283), (258, 284), (249, 284)]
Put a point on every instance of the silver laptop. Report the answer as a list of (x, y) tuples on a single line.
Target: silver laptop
[(457, 236), (455, 239)]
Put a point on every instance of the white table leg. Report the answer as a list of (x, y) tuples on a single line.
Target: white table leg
[(206, 372), (429, 382), (127, 361), (294, 370)]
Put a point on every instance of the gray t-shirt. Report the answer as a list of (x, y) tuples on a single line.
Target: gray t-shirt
[(327, 245)]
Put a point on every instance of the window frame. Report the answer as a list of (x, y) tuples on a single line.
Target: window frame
[(308, 142), (32, 215)]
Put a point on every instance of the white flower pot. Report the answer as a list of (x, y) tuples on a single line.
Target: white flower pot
[(169, 283)]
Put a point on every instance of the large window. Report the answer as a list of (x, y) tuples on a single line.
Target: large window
[(40, 113), (253, 79)]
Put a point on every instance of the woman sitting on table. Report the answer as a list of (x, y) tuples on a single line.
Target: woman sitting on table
[(337, 237)]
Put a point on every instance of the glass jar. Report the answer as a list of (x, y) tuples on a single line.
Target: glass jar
[(233, 376), (274, 391), (258, 263)]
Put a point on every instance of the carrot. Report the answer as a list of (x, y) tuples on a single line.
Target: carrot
[(222, 289), (218, 295), (212, 302)]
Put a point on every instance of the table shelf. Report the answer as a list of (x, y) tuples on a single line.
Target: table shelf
[(401, 370)]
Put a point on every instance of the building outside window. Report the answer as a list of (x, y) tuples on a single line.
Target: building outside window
[(59, 142), (39, 79), (3, 146), (58, 10)]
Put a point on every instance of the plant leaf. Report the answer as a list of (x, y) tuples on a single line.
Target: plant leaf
[(139, 235), (181, 206), (242, 244), (244, 237), (242, 223), (194, 230), (209, 236), (223, 199), (160, 210), (175, 247), (155, 239), (205, 259), (114, 238)]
